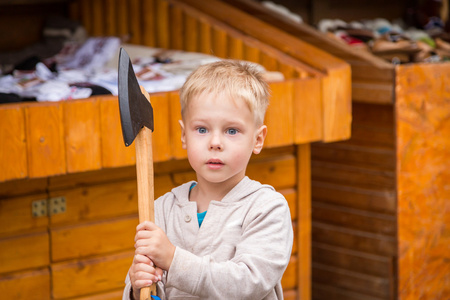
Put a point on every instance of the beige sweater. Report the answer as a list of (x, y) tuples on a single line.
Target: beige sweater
[(240, 252)]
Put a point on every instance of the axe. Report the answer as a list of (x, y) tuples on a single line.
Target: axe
[(136, 116)]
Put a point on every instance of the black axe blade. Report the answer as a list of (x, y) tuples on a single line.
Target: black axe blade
[(135, 110)]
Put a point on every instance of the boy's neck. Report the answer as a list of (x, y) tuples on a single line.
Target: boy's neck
[(204, 192)]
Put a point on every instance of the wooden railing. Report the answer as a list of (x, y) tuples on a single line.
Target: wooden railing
[(372, 77)]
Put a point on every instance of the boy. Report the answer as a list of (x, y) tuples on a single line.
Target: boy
[(242, 247)]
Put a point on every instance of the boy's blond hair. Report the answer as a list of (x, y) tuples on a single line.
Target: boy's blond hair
[(238, 79)]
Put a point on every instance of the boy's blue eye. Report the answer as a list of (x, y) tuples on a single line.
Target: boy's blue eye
[(202, 130), (232, 131)]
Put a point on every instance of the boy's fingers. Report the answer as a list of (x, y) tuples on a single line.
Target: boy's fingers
[(143, 234), (147, 273), (143, 250), (142, 283), (145, 268), (146, 225), (138, 258), (159, 272)]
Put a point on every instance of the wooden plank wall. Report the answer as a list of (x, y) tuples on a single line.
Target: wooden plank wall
[(85, 252), (423, 166), (354, 245)]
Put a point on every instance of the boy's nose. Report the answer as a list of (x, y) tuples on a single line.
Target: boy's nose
[(216, 143)]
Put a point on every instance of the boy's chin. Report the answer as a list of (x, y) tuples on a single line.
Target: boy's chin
[(220, 179)]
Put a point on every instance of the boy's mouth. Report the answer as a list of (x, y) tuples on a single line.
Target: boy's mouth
[(214, 162)]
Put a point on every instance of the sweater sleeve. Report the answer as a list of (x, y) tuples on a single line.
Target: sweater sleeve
[(127, 289), (260, 260)]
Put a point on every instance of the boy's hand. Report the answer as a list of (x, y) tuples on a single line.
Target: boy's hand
[(152, 242), (143, 273)]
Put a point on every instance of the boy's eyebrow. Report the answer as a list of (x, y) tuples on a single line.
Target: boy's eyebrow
[(231, 123)]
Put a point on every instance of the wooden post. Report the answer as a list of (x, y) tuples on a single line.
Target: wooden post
[(304, 220)]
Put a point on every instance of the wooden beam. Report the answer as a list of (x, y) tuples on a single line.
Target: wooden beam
[(304, 220)]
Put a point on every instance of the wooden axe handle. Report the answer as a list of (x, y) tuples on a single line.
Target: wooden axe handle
[(145, 184)]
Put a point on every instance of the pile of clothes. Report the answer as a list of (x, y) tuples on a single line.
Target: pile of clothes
[(72, 73), (390, 40), (422, 34), (69, 65)]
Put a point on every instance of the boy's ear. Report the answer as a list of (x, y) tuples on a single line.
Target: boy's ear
[(183, 134), (260, 137)]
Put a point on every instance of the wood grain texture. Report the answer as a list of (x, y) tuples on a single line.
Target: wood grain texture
[(304, 220), (135, 22), (308, 110), (97, 18), (113, 295), (97, 202), (82, 135), (13, 153), (219, 42), (423, 166), (352, 281), (24, 252), (99, 238), (45, 139), (175, 130), (162, 31), (354, 261), (177, 29), (88, 276), (123, 28), (162, 124), (22, 187), (205, 38), (110, 15), (33, 284), (280, 115), (16, 217), (337, 104), (145, 175), (191, 34), (290, 276), (113, 150), (354, 209), (236, 48), (148, 23)]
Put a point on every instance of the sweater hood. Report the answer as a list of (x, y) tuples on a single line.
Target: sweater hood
[(243, 189)]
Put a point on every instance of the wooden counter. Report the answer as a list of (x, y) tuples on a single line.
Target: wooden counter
[(57, 138)]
